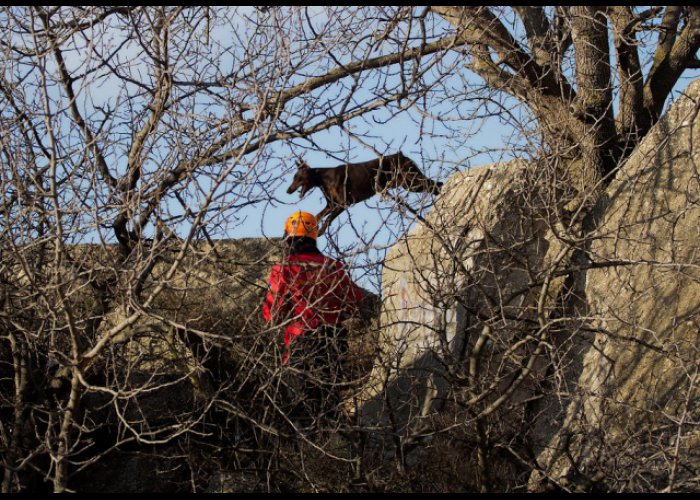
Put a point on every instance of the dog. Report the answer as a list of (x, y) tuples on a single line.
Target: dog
[(352, 183)]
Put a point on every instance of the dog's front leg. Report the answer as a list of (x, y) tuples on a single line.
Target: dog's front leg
[(324, 212), (332, 214), (321, 215)]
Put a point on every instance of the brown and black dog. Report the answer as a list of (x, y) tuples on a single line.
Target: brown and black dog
[(352, 183)]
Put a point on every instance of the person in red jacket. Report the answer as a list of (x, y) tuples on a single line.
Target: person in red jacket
[(309, 296), (308, 291)]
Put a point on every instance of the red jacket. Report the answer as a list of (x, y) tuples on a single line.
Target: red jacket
[(309, 290)]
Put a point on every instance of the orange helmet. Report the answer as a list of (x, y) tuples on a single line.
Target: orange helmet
[(301, 224)]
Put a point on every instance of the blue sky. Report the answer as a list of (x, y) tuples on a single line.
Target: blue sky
[(460, 134)]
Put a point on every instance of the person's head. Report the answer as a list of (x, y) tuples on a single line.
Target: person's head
[(301, 224), (300, 233)]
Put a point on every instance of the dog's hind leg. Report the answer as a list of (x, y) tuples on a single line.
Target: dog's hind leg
[(419, 183), (412, 178)]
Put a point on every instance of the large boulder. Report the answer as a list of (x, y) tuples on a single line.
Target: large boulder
[(460, 287), (637, 390), (499, 292)]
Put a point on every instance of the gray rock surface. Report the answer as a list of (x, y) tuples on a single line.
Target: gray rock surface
[(638, 381), (487, 264), (467, 274)]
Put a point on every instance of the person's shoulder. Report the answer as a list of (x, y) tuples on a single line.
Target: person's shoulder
[(331, 262), (307, 257), (320, 258), (316, 258)]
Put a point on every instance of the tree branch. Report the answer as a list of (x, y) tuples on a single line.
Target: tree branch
[(478, 25), (673, 55), (628, 125), (67, 82), (538, 33)]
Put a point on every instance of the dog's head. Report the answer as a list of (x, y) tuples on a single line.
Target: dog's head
[(405, 160), (301, 179)]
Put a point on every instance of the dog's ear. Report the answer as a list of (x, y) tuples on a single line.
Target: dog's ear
[(302, 165)]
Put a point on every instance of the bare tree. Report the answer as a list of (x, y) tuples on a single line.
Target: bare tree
[(136, 139)]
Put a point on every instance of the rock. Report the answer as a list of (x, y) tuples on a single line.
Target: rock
[(478, 290), (638, 381), (465, 277), (172, 375)]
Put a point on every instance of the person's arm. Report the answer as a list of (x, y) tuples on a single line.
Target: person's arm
[(274, 304)]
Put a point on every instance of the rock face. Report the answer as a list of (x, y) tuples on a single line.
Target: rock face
[(640, 377), (176, 376), (215, 289), (477, 292), (456, 286)]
